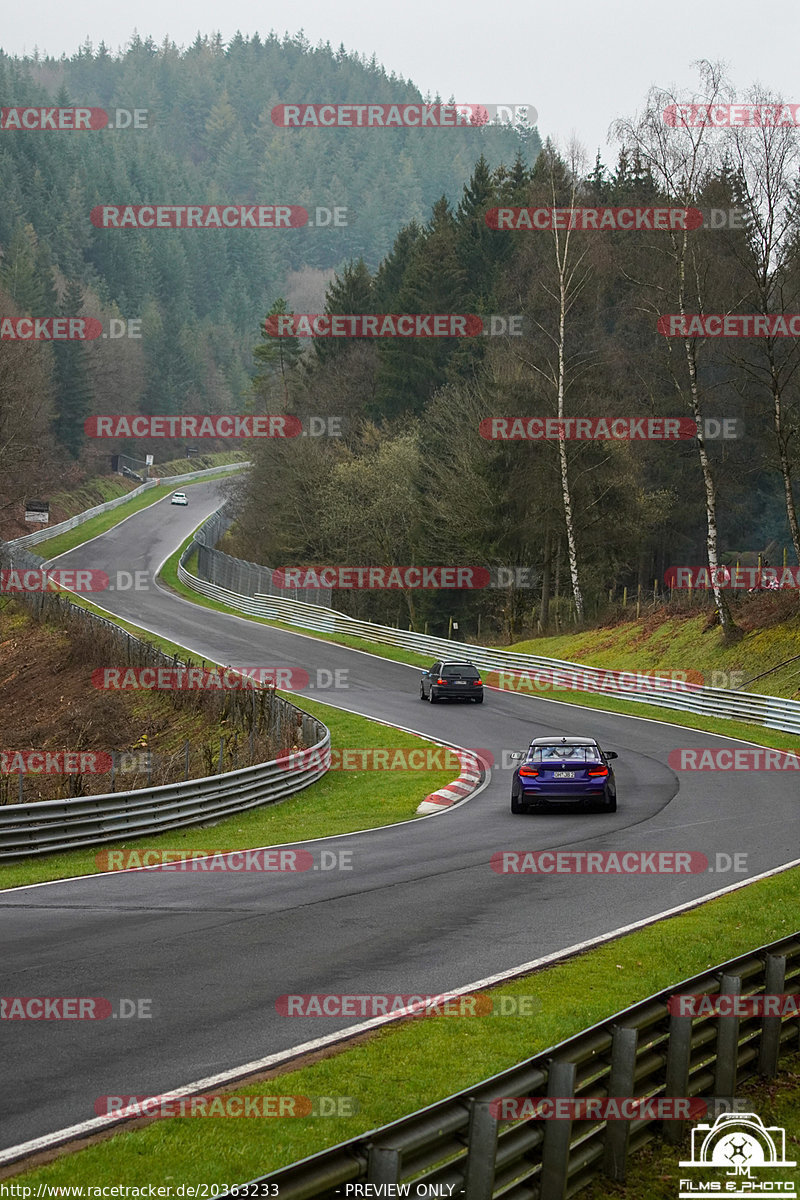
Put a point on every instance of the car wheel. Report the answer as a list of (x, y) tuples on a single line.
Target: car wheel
[(421, 693), (431, 697), (610, 804), (516, 804), (478, 699)]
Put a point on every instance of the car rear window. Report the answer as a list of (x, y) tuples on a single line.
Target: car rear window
[(561, 753), (460, 671)]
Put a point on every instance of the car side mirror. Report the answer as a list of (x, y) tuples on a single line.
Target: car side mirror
[(610, 754)]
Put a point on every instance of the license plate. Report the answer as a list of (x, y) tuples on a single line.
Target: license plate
[(563, 774), (461, 683)]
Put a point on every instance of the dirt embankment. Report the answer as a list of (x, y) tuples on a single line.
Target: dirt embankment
[(126, 739)]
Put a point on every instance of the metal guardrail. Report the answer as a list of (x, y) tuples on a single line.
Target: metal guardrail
[(237, 575), (49, 531), (535, 673), (49, 825), (642, 1051)]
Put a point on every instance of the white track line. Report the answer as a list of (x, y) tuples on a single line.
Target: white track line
[(98, 1124)]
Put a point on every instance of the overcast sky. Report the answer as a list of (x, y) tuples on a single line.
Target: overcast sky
[(581, 63)]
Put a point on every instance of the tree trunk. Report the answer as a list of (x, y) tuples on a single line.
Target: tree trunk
[(572, 550), (544, 611)]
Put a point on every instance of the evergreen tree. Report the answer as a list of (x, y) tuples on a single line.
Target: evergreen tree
[(74, 394), (276, 357)]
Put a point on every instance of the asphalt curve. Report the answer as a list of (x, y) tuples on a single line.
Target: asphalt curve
[(420, 910)]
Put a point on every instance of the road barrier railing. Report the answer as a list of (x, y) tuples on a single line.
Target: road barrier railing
[(237, 576), (528, 674), (642, 1051), (50, 825), (49, 531), (44, 826)]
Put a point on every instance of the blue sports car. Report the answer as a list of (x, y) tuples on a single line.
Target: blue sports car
[(562, 771)]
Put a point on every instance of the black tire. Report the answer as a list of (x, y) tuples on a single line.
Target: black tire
[(610, 805), (433, 699), (517, 806), (478, 699), (421, 693)]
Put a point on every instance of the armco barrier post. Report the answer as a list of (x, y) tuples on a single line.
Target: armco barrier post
[(727, 1043), (620, 1083), (679, 1049), (383, 1165), (481, 1152), (770, 1041), (557, 1135)]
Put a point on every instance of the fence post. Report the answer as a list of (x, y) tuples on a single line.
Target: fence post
[(383, 1165), (620, 1083), (481, 1152), (770, 1042), (726, 1067), (221, 754), (557, 1135), (186, 759), (679, 1048)]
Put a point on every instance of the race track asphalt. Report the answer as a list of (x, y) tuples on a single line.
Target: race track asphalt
[(420, 910)]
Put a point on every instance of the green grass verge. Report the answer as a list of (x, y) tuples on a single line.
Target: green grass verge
[(687, 643), (62, 542), (733, 729), (404, 1067)]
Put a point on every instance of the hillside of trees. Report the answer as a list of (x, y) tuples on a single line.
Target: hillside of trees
[(412, 481), (199, 294)]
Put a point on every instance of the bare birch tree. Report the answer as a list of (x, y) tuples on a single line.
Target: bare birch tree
[(766, 162), (559, 368), (682, 158)]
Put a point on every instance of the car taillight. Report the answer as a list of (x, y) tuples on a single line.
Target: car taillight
[(441, 681), (477, 683), (528, 771), (598, 770)]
